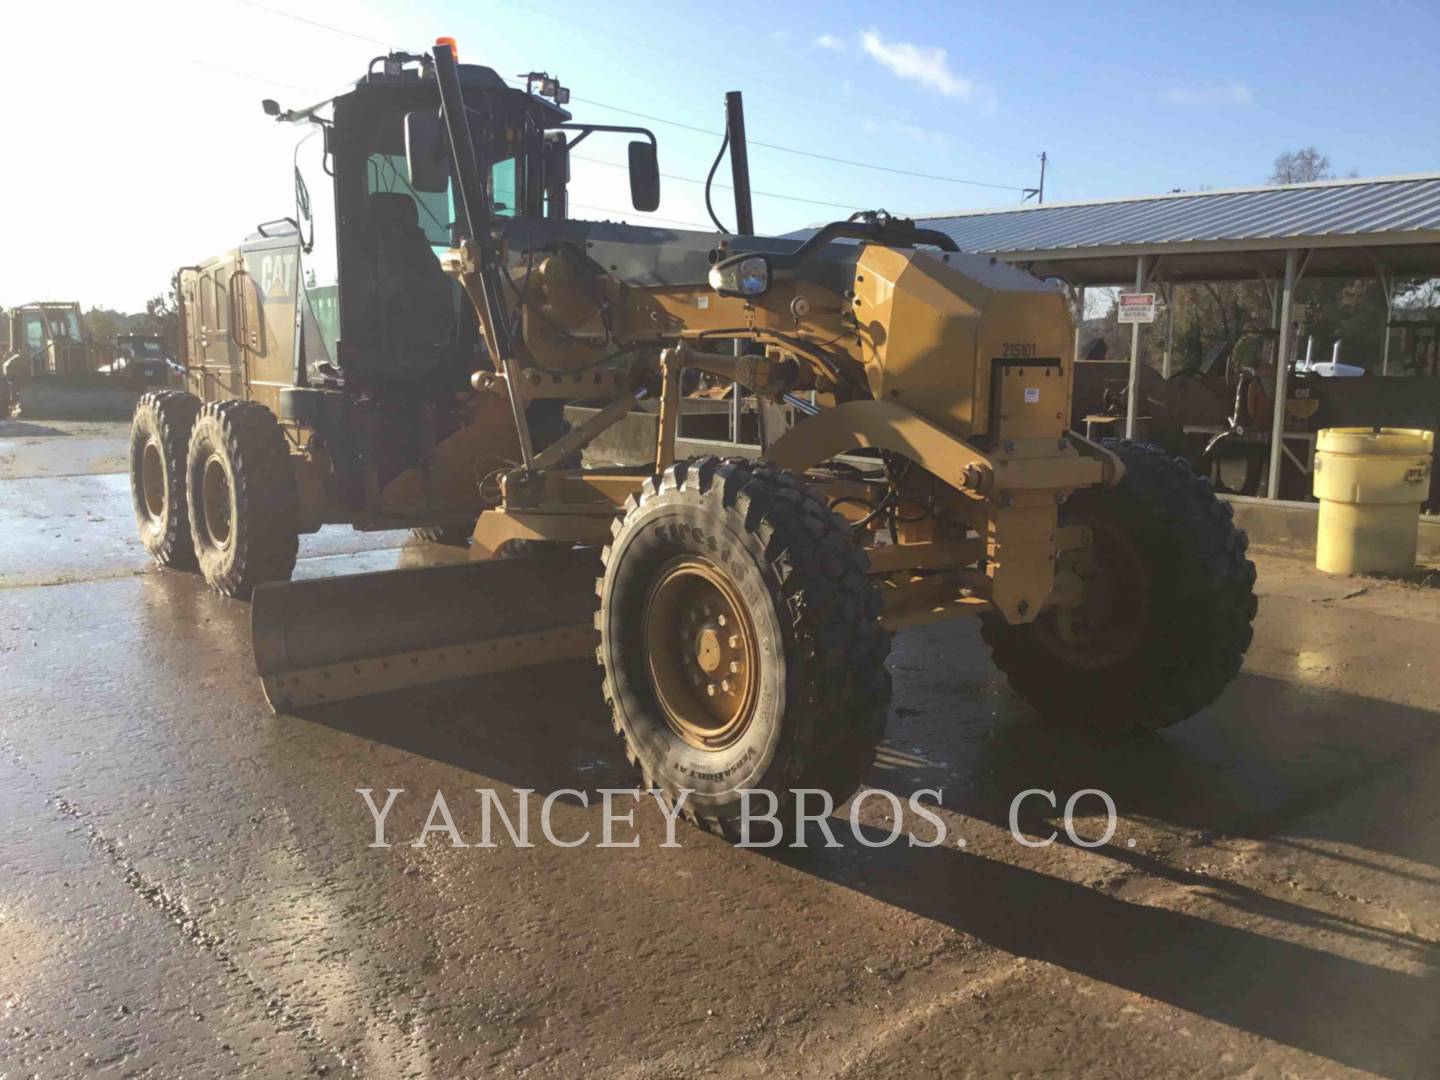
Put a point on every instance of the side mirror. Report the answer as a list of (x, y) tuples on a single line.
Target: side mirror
[(426, 158), (644, 176), (271, 107)]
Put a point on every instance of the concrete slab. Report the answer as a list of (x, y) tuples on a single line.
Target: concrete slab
[(62, 447), (1267, 903), (1291, 526)]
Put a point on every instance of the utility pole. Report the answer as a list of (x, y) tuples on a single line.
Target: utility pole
[(1039, 192)]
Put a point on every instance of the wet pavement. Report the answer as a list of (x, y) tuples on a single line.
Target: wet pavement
[(187, 886)]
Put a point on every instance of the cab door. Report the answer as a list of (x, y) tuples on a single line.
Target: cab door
[(217, 353), (32, 341), (264, 287)]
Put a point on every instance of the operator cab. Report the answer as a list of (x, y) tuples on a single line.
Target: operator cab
[(375, 208)]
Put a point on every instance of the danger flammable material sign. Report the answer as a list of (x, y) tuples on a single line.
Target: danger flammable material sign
[(1136, 307)]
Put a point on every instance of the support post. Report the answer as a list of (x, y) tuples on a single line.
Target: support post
[(1169, 328), (1132, 394), (1389, 284), (1079, 319), (1078, 296), (1282, 374)]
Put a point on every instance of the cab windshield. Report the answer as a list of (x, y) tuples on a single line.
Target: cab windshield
[(63, 324)]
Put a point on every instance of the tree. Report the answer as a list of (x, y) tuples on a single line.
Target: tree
[(1301, 166), (162, 316), (103, 324)]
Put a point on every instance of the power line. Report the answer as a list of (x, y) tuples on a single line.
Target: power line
[(750, 77), (672, 123), (315, 23), (250, 76), (723, 187), (802, 153)]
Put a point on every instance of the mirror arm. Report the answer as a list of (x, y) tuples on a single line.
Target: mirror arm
[(588, 128)]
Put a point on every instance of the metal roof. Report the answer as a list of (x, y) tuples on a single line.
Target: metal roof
[(1348, 225)]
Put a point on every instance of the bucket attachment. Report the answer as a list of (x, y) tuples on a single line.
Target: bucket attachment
[(347, 637), (79, 397)]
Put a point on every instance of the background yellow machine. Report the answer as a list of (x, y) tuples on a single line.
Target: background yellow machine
[(399, 352)]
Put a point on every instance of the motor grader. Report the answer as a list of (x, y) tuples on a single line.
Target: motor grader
[(399, 353)]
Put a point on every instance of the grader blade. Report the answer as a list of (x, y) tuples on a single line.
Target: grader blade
[(347, 637)]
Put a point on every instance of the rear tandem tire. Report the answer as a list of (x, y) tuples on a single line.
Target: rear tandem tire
[(243, 503), (1177, 597), (726, 570), (159, 438)]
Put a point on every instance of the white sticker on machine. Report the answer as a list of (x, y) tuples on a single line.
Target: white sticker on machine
[(1032, 395)]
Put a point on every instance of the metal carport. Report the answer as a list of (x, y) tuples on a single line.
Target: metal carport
[(1385, 227)]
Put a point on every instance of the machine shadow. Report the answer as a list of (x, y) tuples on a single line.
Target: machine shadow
[(1235, 771), (1345, 1010), (543, 727), (1268, 753), (26, 429), (547, 727)]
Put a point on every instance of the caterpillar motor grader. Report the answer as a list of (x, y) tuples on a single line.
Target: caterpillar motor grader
[(399, 354)]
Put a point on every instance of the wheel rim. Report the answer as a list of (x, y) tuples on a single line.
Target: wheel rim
[(152, 481), (701, 650), (215, 501), (1108, 624)]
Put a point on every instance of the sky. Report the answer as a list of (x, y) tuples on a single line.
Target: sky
[(149, 149)]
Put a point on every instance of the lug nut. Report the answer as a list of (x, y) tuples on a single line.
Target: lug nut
[(710, 689), (734, 667), (734, 641), (725, 685), (720, 620)]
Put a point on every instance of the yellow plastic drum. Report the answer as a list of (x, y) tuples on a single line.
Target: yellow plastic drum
[(1370, 483)]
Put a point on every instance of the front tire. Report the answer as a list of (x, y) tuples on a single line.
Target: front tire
[(243, 504), (159, 438), (1166, 619), (740, 642)]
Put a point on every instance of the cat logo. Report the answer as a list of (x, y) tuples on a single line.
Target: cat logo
[(277, 276)]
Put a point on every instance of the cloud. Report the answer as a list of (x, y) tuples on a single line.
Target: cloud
[(929, 137), (937, 139), (929, 66), (1232, 93), (828, 41)]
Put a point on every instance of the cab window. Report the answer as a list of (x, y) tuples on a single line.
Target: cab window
[(319, 256), (503, 197), (435, 209)]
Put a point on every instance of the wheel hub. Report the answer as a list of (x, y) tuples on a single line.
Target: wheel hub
[(701, 651), (1108, 622), (215, 493), (152, 480)]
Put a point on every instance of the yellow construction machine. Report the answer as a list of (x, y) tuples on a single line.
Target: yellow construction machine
[(400, 352)]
